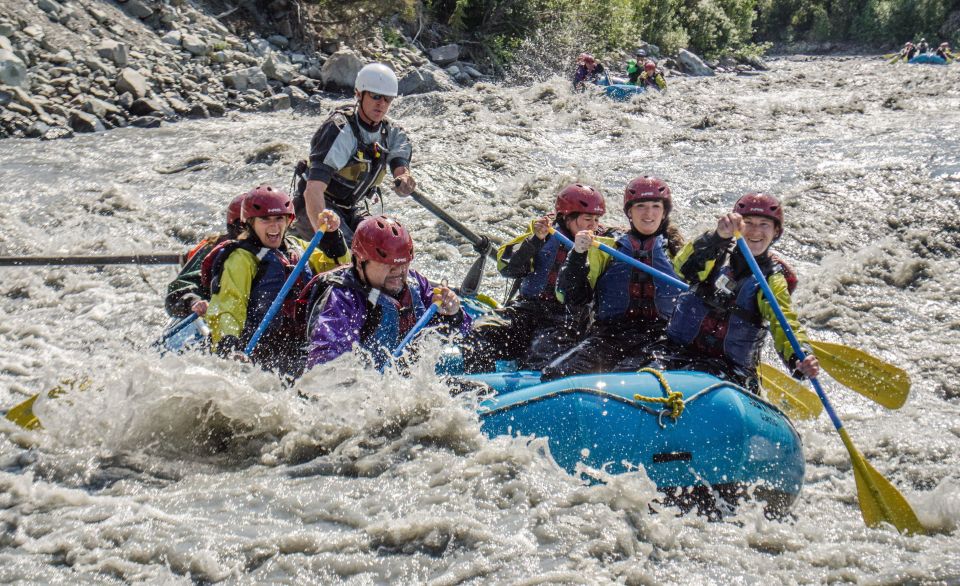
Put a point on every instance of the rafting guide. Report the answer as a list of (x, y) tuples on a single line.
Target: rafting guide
[(351, 153)]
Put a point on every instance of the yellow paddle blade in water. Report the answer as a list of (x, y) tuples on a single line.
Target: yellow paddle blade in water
[(880, 501), (796, 400), (873, 378), (22, 413)]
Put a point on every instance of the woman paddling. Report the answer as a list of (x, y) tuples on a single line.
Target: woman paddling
[(245, 276), (720, 324), (630, 308)]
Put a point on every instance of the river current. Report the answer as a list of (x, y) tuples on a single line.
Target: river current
[(188, 469)]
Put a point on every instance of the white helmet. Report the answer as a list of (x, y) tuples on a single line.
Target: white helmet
[(377, 78)]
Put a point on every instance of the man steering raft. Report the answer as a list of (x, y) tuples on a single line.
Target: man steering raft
[(350, 154)]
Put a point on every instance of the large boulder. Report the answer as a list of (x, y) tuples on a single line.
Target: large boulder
[(131, 81), (138, 9), (244, 79), (172, 38), (340, 70), (445, 55), (195, 45), (428, 78), (5, 43), (279, 71), (13, 71), (84, 122), (99, 108), (114, 51), (693, 64)]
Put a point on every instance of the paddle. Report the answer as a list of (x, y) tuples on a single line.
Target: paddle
[(285, 290), (480, 243), (22, 413), (177, 328), (880, 501), (423, 321), (873, 378), (640, 266), (162, 258), (796, 400)]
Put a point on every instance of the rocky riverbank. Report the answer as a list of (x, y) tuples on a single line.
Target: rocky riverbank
[(91, 65), (70, 66)]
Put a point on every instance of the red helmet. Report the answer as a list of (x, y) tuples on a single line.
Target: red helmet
[(647, 188), (383, 240), (650, 66), (763, 205), (234, 210), (586, 59), (266, 201), (580, 199)]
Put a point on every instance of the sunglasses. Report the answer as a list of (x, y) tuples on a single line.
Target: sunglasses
[(378, 97)]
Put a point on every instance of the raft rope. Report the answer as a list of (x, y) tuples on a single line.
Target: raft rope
[(673, 401)]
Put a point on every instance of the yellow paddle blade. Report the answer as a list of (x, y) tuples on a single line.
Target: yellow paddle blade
[(796, 400), (873, 378), (22, 414), (880, 501)]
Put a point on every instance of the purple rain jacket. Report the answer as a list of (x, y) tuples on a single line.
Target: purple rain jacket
[(339, 319)]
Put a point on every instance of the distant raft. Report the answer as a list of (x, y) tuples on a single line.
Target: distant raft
[(620, 92), (725, 442), (928, 58)]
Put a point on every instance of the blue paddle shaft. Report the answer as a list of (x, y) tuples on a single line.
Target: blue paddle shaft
[(282, 295), (630, 261), (179, 326), (424, 319), (794, 343)]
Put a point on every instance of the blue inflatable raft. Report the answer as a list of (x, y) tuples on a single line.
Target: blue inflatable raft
[(726, 442), (620, 92), (928, 58)]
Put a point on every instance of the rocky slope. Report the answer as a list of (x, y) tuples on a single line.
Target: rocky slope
[(89, 65)]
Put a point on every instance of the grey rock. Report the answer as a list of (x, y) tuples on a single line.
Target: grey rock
[(198, 111), (7, 29), (279, 102), (6, 44), (428, 78), (49, 6), (259, 47), (297, 96), (61, 57), (37, 130), (330, 47), (85, 122), (445, 55), (463, 77), (340, 70), (147, 122), (99, 66), (693, 64), (99, 108), (172, 38), (125, 100), (131, 81), (13, 71), (195, 45), (168, 15), (33, 31), (279, 71), (5, 97), (178, 105), (138, 9), (214, 107), (472, 72), (453, 71), (756, 63), (242, 79), (651, 49), (279, 41), (97, 14), (57, 132), (113, 51), (146, 107)]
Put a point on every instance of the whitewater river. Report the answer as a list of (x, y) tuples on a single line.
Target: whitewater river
[(191, 469)]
